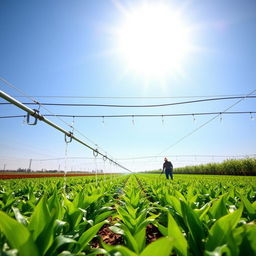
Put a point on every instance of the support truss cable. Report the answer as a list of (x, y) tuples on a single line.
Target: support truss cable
[(139, 115), (207, 122), (188, 156), (148, 157), (131, 97), (45, 120), (135, 106), (35, 102), (61, 158)]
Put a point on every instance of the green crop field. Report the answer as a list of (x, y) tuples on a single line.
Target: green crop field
[(129, 215)]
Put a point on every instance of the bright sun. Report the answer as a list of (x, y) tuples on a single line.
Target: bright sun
[(153, 40)]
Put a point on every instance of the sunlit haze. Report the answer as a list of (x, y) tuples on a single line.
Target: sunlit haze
[(153, 39), (106, 63)]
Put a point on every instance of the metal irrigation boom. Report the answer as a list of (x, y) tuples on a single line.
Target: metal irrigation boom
[(35, 113)]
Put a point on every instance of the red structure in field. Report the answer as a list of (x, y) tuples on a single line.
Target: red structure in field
[(5, 176)]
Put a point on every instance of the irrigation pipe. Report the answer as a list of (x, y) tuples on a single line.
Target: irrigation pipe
[(40, 117), (140, 115), (136, 106)]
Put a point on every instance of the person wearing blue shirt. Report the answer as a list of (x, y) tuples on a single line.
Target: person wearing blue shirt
[(167, 168)]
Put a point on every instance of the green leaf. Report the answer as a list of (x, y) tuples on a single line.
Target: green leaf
[(125, 251), (31, 195), (9, 200), (143, 224), (17, 235), (46, 237), (39, 219), (221, 229), (54, 204), (88, 235), (249, 207), (202, 211), (190, 194), (117, 230), (97, 251), (67, 253), (131, 241), (161, 247), (152, 217), (126, 218), (140, 238), (219, 208), (79, 199), (219, 251), (131, 211), (58, 242), (61, 226), (69, 205), (180, 243), (175, 203), (248, 247), (179, 196), (74, 215), (41, 225), (162, 229), (196, 231), (245, 237), (193, 200), (88, 200), (119, 248), (142, 221), (102, 216)]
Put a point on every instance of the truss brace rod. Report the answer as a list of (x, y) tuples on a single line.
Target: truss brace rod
[(42, 118)]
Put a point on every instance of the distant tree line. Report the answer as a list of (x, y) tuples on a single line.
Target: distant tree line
[(228, 167)]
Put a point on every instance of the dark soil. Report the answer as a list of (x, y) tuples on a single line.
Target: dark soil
[(107, 236), (152, 233)]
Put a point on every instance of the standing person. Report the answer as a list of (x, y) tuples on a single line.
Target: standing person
[(167, 168)]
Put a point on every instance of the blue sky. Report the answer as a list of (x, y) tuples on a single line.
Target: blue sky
[(67, 48)]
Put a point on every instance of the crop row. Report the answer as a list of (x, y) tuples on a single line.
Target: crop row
[(129, 215)]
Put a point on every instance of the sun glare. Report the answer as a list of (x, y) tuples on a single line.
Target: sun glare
[(153, 40)]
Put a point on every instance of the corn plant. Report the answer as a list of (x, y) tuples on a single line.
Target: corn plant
[(192, 215)]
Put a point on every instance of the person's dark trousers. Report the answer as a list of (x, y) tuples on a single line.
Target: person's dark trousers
[(168, 173)]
